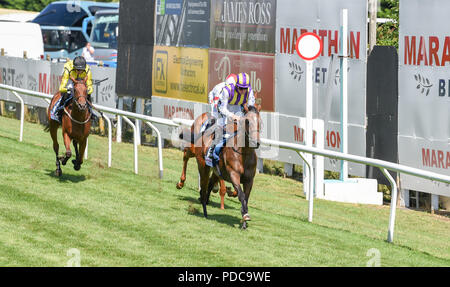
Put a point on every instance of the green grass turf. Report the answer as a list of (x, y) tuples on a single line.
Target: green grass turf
[(116, 218)]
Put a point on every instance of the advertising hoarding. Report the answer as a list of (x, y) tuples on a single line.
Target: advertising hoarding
[(45, 77), (180, 73), (183, 23), (260, 68), (424, 97), (247, 25), (295, 17)]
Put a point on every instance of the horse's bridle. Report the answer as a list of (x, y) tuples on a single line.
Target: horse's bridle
[(75, 99), (79, 97)]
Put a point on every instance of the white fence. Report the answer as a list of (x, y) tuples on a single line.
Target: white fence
[(126, 115), (382, 165)]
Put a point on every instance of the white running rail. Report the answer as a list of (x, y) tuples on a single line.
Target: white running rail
[(147, 119)]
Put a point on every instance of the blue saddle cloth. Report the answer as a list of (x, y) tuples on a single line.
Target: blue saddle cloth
[(58, 106)]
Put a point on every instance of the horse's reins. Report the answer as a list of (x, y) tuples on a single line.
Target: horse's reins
[(74, 120)]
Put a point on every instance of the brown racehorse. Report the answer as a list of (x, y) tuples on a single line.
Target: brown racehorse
[(237, 163), (189, 152), (76, 125)]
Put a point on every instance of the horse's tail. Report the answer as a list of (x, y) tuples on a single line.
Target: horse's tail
[(187, 135)]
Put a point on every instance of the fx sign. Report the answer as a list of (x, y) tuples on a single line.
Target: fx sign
[(160, 71)]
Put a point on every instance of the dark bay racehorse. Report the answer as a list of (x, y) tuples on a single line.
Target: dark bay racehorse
[(189, 152), (76, 125), (237, 163)]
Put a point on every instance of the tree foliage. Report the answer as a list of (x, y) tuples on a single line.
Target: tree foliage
[(387, 33)]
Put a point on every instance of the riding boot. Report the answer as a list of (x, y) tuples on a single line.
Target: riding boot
[(93, 116)]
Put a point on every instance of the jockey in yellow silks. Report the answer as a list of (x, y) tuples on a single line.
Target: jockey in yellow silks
[(230, 106), (79, 71)]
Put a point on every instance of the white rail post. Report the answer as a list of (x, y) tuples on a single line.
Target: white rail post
[(109, 139), (135, 143), (311, 182), (160, 158), (390, 237), (343, 91), (119, 122), (22, 116)]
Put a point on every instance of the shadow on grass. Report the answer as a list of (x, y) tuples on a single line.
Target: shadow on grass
[(229, 220), (211, 203), (66, 177)]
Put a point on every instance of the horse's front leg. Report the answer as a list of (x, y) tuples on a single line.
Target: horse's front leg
[(79, 160), (76, 161), (54, 135), (247, 189), (67, 145), (236, 181), (187, 154), (203, 170), (222, 192), (212, 182)]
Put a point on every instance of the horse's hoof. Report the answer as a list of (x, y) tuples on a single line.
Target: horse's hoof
[(180, 185), (58, 172), (244, 225), (231, 193), (77, 167)]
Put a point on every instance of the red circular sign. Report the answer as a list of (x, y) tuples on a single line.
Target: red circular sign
[(309, 46)]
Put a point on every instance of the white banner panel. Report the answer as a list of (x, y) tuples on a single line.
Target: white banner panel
[(45, 77), (105, 91), (289, 130), (22, 73), (322, 17), (424, 92), (169, 108)]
